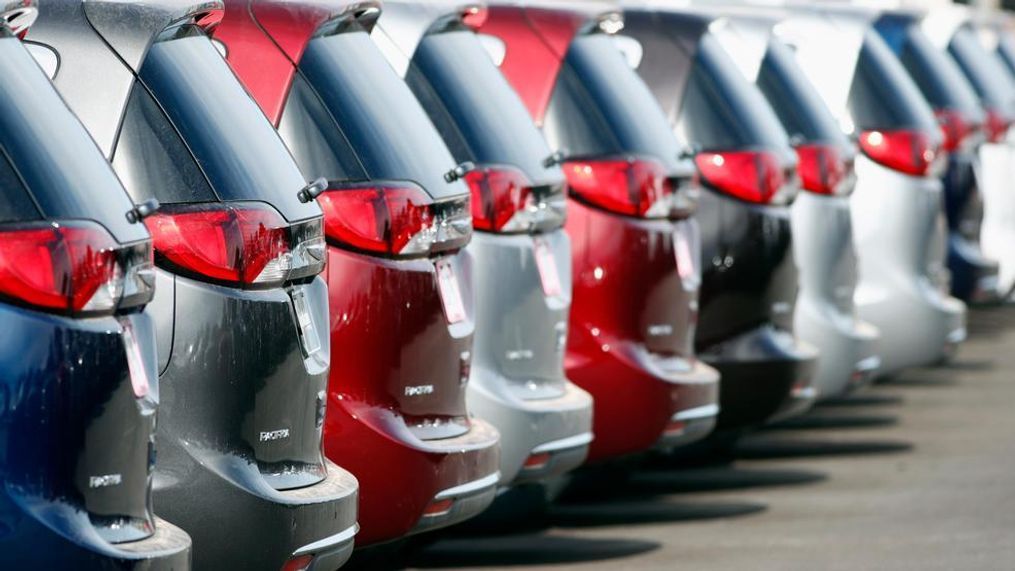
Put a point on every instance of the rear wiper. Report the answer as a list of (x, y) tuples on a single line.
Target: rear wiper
[(555, 158), (142, 211)]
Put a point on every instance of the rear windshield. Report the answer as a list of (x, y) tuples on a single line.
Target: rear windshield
[(801, 110), (982, 69), (721, 109), (1006, 49), (56, 159), (938, 77), (15, 203), (601, 107), (473, 106), (233, 142), (882, 95), (377, 113)]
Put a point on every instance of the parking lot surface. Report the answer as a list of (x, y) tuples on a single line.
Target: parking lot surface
[(918, 473)]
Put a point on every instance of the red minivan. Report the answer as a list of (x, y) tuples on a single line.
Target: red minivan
[(400, 286), (633, 192)]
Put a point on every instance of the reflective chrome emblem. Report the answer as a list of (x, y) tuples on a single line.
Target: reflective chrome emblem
[(105, 481), (519, 355), (272, 435), (660, 329), (418, 390)]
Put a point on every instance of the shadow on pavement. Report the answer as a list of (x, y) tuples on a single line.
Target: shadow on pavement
[(762, 448), (824, 421), (920, 379), (862, 399), (532, 549), (711, 479), (646, 511), (969, 365)]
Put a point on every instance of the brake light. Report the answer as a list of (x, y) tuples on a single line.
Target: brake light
[(823, 169), (954, 128), (238, 244), (753, 176), (394, 220), (73, 268), (997, 126), (909, 152), (633, 187), (298, 563), (503, 200)]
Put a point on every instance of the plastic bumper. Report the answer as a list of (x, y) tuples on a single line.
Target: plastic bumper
[(766, 374), (848, 347), (539, 438)]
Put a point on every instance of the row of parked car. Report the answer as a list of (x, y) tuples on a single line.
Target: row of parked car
[(299, 275)]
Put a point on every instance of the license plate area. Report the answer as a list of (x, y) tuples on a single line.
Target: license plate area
[(546, 263), (450, 291)]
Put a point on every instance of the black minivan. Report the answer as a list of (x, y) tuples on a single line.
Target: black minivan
[(79, 390), (748, 170), (241, 310)]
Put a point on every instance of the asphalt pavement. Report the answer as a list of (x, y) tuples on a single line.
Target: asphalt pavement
[(918, 473)]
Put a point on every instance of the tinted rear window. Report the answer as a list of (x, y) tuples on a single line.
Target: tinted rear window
[(57, 160), (15, 203), (233, 142), (1006, 49), (982, 69), (600, 106), (721, 109), (378, 114), (938, 77), (801, 110), (474, 107), (883, 96)]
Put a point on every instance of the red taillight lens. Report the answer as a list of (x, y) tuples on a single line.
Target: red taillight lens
[(753, 176), (298, 563), (997, 126), (823, 169), (954, 128), (909, 152), (638, 187), (241, 244), (503, 200), (72, 268), (394, 220)]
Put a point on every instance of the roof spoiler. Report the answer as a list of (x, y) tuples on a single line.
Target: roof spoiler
[(18, 15), (293, 24)]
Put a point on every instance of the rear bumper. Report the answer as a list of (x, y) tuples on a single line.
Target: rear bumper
[(766, 374), (974, 278), (637, 397), (848, 347), (266, 526), (76, 545), (402, 477), (555, 431)]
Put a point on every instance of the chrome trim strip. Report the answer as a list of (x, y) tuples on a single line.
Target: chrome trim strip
[(343, 536), (696, 413), (575, 441), (469, 487)]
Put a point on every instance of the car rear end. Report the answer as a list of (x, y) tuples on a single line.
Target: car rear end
[(241, 308), (748, 170), (825, 314), (898, 201), (993, 86), (974, 277), (80, 389), (397, 220), (521, 253), (633, 235)]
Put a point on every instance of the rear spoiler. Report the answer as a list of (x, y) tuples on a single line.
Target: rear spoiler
[(18, 15)]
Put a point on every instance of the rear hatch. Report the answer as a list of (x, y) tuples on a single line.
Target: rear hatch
[(192, 139), (748, 168), (516, 189), (991, 81), (352, 120), (80, 427), (603, 117)]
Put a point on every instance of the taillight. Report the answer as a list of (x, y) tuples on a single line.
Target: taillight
[(909, 152), (997, 126), (73, 268), (954, 128), (753, 176), (823, 169), (503, 200), (397, 219), (248, 245), (633, 187)]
